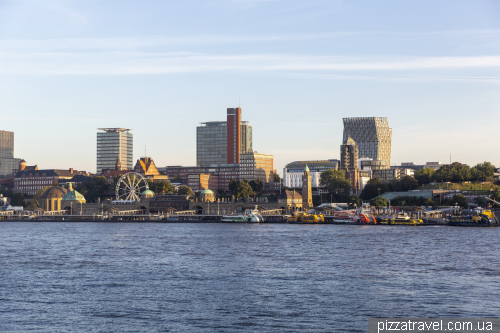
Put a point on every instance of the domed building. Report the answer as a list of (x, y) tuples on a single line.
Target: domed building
[(72, 199), (51, 199), (207, 195), (147, 194)]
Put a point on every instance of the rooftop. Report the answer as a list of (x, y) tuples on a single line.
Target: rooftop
[(114, 129)]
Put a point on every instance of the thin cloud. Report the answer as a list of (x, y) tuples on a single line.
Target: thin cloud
[(133, 63), (485, 79), (129, 43)]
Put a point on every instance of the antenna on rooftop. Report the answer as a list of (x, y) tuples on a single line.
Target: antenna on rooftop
[(239, 102), (145, 151)]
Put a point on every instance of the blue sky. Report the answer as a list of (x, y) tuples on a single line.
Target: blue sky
[(299, 67)]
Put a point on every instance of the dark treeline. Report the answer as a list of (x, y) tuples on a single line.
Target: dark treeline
[(457, 172)]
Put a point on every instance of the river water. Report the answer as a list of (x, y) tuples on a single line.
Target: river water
[(215, 277)]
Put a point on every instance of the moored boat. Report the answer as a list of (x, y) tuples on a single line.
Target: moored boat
[(483, 218), (301, 217), (250, 215), (400, 219), (343, 220)]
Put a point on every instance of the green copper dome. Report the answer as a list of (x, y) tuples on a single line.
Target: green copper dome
[(73, 195), (148, 192), (306, 169), (207, 191)]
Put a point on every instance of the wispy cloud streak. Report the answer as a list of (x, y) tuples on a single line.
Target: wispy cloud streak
[(128, 43), (130, 63)]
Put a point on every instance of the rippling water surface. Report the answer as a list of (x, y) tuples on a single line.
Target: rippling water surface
[(137, 277)]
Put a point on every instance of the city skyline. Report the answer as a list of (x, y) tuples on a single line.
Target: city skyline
[(431, 68)]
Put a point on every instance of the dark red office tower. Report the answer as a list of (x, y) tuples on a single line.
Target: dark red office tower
[(233, 135)]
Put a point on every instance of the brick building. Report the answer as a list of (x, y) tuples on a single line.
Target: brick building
[(30, 181)]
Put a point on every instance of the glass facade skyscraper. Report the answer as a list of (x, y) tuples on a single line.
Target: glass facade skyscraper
[(372, 136), (6, 144), (7, 161), (211, 147), (114, 145), (246, 138)]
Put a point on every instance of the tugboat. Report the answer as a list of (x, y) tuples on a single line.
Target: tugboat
[(483, 218), (250, 215)]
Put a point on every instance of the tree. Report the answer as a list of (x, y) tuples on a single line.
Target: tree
[(405, 184), (160, 187), (429, 202), (442, 174), (5, 191), (17, 200), (33, 205), (185, 190), (462, 174), (487, 171), (177, 179), (460, 200), (334, 180), (243, 190), (379, 202), (476, 174), (40, 192), (479, 201), (221, 193), (373, 188), (354, 202), (424, 176), (233, 184), (276, 178), (93, 189), (256, 185)]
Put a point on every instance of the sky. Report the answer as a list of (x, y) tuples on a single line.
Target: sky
[(296, 68)]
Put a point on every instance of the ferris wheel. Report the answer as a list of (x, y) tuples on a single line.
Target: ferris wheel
[(130, 186)]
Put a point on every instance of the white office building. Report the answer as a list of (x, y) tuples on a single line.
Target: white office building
[(293, 172)]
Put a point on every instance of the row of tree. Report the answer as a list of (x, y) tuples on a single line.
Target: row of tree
[(456, 200), (376, 187), (456, 172)]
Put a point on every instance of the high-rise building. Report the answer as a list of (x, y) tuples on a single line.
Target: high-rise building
[(372, 136), (233, 135), (114, 148), (8, 164), (246, 137), (222, 142), (349, 155), (211, 147), (7, 144)]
